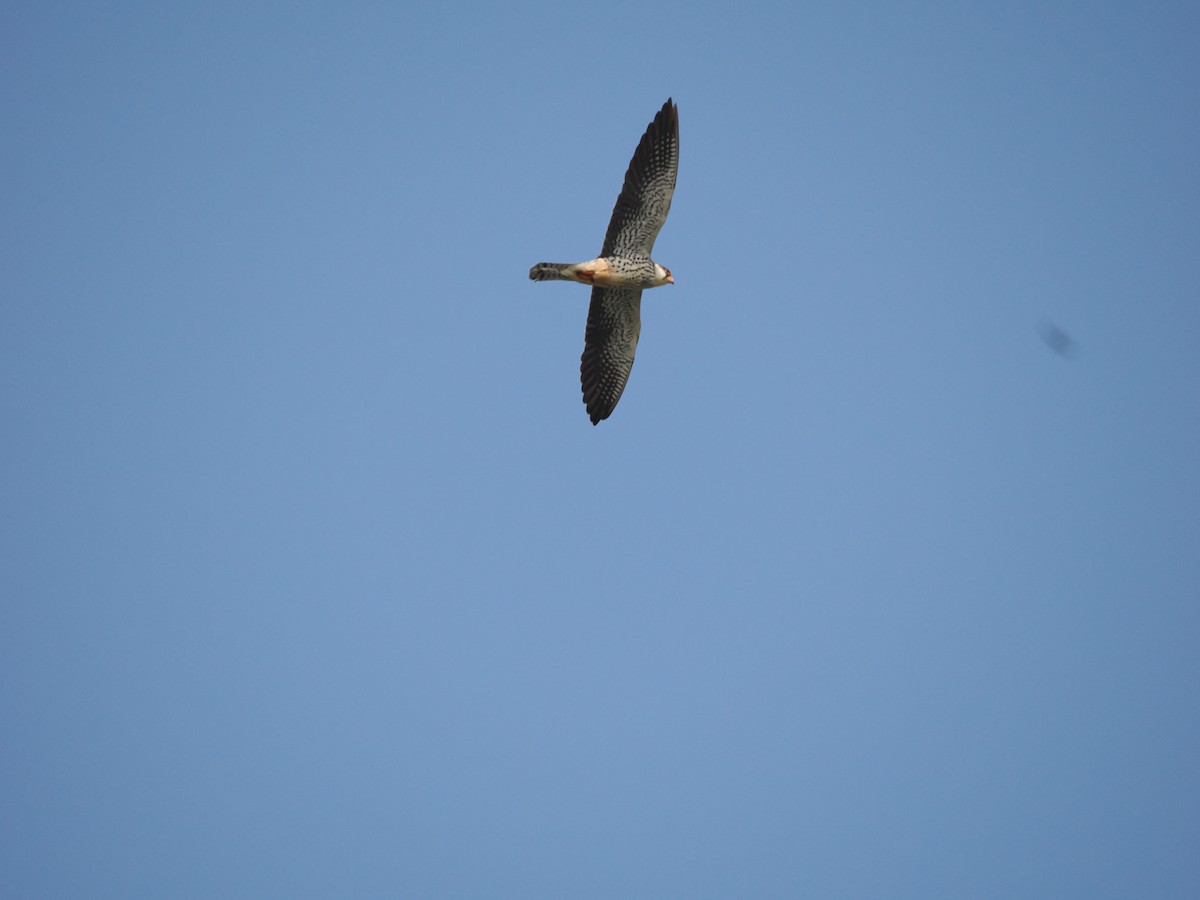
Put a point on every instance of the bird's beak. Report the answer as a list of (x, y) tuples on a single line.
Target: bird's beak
[(670, 279)]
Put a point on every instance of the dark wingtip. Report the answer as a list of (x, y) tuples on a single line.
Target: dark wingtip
[(669, 116), (596, 411)]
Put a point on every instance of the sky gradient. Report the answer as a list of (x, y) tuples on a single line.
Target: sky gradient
[(315, 579)]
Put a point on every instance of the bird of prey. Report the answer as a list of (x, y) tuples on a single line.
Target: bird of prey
[(624, 267)]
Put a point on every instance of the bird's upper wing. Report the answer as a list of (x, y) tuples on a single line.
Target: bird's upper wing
[(649, 184), (613, 325)]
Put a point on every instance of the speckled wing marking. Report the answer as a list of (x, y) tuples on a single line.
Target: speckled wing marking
[(613, 325), (649, 185)]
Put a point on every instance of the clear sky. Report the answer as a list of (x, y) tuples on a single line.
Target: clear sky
[(316, 581)]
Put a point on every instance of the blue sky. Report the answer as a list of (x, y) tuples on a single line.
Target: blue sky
[(315, 579)]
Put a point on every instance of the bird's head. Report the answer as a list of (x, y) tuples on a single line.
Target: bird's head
[(662, 275)]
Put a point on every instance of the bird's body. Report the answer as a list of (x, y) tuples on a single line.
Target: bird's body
[(624, 268), (610, 271)]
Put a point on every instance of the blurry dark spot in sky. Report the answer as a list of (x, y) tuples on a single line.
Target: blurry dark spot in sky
[(1058, 340)]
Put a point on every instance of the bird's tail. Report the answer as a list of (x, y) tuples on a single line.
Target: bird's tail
[(551, 272)]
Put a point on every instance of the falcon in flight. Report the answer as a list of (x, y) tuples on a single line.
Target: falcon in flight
[(624, 267)]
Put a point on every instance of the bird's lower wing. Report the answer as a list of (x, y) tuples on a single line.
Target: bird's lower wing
[(613, 325)]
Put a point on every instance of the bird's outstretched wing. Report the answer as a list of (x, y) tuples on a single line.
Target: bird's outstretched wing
[(649, 184), (613, 325)]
